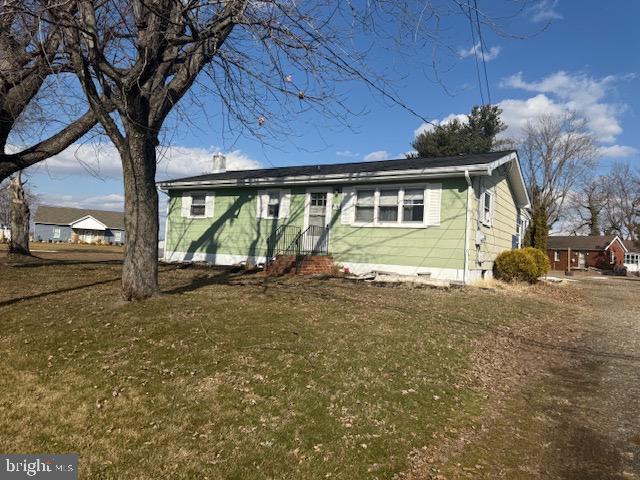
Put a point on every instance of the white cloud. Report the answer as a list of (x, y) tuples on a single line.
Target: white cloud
[(347, 153), (561, 92), (377, 155), (545, 11), (103, 161), (428, 127), (476, 51), (618, 151)]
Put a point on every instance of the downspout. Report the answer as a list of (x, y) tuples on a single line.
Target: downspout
[(465, 274)]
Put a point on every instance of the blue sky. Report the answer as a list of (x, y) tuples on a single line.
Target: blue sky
[(585, 60)]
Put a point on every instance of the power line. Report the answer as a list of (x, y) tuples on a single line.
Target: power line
[(484, 63), (475, 52)]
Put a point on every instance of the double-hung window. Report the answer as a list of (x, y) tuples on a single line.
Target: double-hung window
[(117, 236), (273, 205), (365, 206), (388, 206), (556, 256), (413, 205), (486, 207), (198, 202), (56, 233)]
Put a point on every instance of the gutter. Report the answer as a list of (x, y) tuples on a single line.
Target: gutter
[(465, 273)]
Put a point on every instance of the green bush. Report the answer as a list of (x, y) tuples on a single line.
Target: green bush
[(516, 265), (541, 259)]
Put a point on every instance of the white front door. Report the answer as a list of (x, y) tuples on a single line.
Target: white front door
[(581, 261), (317, 219)]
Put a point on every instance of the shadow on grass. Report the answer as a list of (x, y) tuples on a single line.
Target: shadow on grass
[(219, 277), (11, 301)]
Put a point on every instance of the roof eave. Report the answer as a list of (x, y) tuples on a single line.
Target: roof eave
[(412, 174)]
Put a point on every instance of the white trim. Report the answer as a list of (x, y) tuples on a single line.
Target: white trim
[(166, 227), (328, 207), (619, 241), (401, 187), (88, 222)]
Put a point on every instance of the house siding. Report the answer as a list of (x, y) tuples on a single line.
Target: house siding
[(235, 231), (497, 237), (44, 232)]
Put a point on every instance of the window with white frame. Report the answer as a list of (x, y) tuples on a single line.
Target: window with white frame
[(273, 205), (117, 236), (56, 232), (556, 256), (388, 206), (365, 206), (612, 257), (631, 258), (397, 206), (413, 205), (198, 204), (486, 207)]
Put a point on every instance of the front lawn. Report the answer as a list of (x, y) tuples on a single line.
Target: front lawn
[(224, 377)]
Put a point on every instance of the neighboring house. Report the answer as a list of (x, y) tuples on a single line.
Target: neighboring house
[(578, 252), (5, 233), (62, 224), (632, 257), (448, 217)]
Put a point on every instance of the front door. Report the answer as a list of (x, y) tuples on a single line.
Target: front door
[(581, 262), (317, 221)]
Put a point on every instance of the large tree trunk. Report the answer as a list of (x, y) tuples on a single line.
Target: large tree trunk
[(140, 269), (19, 244)]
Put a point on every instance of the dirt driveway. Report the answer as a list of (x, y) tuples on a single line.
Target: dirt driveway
[(576, 413)]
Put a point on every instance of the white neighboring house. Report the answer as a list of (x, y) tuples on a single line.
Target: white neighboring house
[(632, 257), (5, 233)]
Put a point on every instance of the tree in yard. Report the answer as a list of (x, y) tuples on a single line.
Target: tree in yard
[(29, 54), (476, 135), (19, 243), (538, 231), (586, 206), (557, 153), (622, 201), (262, 60)]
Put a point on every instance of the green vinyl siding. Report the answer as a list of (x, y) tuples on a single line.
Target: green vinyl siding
[(499, 235), (235, 230), (439, 246)]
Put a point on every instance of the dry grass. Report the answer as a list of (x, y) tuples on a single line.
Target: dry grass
[(225, 376)]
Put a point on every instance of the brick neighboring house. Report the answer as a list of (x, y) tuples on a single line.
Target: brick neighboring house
[(578, 252)]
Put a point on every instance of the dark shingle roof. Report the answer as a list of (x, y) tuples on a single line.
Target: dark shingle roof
[(350, 168), (579, 242), (65, 215)]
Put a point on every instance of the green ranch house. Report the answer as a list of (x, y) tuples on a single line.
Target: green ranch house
[(444, 217)]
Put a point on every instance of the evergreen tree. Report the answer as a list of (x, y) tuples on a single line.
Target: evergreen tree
[(476, 135), (538, 230)]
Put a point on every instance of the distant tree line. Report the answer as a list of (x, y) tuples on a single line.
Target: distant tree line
[(559, 158)]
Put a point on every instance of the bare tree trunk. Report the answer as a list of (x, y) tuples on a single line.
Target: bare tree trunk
[(140, 269), (19, 244)]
